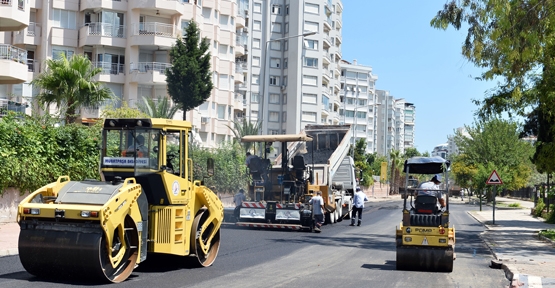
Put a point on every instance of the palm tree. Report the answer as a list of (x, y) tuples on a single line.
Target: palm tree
[(158, 109), (243, 128), (396, 160), (71, 86)]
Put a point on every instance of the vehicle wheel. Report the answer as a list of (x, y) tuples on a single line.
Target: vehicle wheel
[(206, 252), (125, 245)]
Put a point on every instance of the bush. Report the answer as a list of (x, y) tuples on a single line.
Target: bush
[(548, 233), (35, 152), (539, 208), (515, 205)]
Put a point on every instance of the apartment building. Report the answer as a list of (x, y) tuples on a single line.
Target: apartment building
[(404, 125), (130, 40), (358, 99), (385, 128), (295, 56)]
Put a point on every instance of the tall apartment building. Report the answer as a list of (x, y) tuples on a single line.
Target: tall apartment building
[(404, 125), (358, 99), (295, 56), (409, 124), (385, 132), (130, 40)]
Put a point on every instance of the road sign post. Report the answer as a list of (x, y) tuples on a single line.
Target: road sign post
[(494, 180)]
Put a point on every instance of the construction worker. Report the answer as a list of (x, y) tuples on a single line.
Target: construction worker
[(317, 203), (358, 205)]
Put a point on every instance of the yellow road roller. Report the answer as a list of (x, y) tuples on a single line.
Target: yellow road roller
[(425, 240), (147, 201)]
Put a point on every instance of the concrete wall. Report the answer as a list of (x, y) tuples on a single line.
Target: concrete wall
[(8, 205)]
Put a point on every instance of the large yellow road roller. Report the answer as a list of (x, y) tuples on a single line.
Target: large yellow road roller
[(147, 201), (425, 240)]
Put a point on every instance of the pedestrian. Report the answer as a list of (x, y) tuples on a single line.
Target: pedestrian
[(238, 200), (462, 194), (317, 203), (358, 205)]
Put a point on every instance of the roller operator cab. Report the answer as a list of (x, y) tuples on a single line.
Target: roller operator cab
[(425, 239), (147, 201)]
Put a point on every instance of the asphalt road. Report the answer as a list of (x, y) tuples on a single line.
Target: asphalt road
[(340, 256)]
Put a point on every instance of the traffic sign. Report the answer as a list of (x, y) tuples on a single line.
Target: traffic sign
[(494, 179)]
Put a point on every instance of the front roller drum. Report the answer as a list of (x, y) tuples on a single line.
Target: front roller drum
[(73, 252), (200, 239), (419, 258)]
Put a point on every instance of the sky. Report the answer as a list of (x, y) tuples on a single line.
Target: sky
[(416, 62)]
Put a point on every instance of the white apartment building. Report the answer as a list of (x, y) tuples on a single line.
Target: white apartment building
[(358, 98), (130, 40), (385, 131), (404, 121), (295, 55), (410, 118)]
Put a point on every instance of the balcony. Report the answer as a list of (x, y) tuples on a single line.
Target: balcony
[(161, 35), (13, 61), (28, 36), (111, 72), (14, 16), (239, 101), (162, 6), (94, 34), (120, 5), (149, 72), (64, 37)]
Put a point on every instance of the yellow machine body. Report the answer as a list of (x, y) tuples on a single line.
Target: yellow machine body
[(146, 202)]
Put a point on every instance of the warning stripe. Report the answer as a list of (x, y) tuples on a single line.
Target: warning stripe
[(276, 226), (263, 205)]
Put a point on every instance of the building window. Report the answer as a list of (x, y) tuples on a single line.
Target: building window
[(276, 9), (221, 111), (64, 19), (274, 98), (286, 27), (273, 117), (254, 98), (311, 62), (311, 44), (273, 132), (255, 78), (275, 63), (274, 80), (256, 25), (312, 8), (256, 61), (286, 45), (256, 43), (276, 27), (310, 80), (58, 51), (309, 117), (286, 9), (311, 26), (284, 117), (284, 100), (309, 98), (275, 45), (257, 8)]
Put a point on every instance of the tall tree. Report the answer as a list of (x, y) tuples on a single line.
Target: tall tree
[(395, 161), (243, 127), (493, 144), (513, 40), (160, 108), (70, 85), (190, 77)]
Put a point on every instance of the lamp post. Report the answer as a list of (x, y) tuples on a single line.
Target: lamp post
[(264, 99)]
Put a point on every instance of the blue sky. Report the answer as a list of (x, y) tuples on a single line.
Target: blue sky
[(416, 62)]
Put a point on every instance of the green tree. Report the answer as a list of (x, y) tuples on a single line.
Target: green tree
[(160, 108), (361, 162), (513, 40), (411, 152), (70, 85), (122, 112), (242, 128), (493, 145), (396, 160), (190, 78)]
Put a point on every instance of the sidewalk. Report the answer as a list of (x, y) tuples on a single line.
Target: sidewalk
[(513, 239)]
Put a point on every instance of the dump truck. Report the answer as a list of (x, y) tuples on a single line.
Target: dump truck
[(425, 240), (313, 160), (147, 201)]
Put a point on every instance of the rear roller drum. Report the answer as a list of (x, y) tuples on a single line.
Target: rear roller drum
[(418, 258), (205, 257)]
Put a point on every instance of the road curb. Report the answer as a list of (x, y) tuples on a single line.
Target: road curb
[(9, 252)]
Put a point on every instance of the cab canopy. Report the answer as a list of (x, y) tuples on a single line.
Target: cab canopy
[(426, 165)]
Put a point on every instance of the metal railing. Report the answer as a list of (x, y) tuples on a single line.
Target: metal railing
[(32, 30), (106, 29), (155, 28), (150, 66), (10, 52), (110, 68), (33, 65)]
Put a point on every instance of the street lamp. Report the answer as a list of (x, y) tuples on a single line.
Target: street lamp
[(264, 99)]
